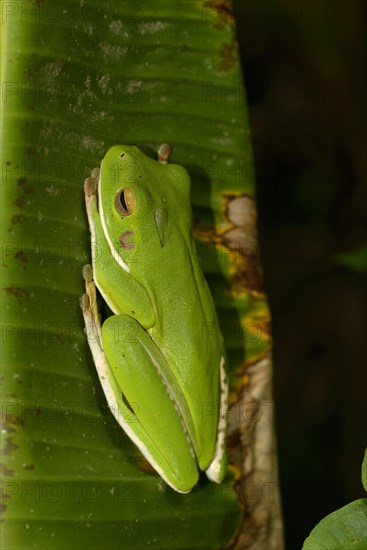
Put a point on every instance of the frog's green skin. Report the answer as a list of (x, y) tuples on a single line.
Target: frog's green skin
[(160, 357)]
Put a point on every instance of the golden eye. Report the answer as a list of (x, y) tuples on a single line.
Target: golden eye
[(125, 201)]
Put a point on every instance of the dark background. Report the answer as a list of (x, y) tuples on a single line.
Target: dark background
[(304, 66)]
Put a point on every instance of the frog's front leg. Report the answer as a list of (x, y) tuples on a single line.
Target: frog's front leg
[(108, 276)]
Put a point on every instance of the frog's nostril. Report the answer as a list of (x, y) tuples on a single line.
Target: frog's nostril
[(122, 155)]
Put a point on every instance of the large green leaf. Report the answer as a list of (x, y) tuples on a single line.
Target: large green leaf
[(344, 529), (79, 77)]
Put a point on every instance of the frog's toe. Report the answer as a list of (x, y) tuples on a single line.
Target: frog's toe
[(84, 302), (90, 186), (164, 153), (87, 273)]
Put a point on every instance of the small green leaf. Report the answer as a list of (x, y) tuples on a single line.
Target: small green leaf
[(355, 260), (364, 471), (344, 529)]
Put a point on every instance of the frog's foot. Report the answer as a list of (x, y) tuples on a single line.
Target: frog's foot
[(164, 153), (88, 304)]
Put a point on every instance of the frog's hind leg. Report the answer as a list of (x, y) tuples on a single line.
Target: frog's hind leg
[(128, 364), (146, 407), (218, 467)]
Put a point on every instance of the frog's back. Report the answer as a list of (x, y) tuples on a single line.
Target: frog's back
[(187, 327)]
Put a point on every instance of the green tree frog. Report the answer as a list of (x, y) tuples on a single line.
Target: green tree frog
[(160, 356)]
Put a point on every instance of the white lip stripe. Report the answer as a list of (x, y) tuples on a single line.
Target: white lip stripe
[(213, 472), (94, 261), (114, 253)]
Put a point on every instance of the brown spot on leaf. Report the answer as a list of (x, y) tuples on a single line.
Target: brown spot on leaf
[(17, 292), (19, 201), (17, 218), (9, 446), (29, 466), (5, 471), (242, 237), (3, 506), (10, 422), (228, 57), (222, 12), (237, 242), (7, 428), (21, 257), (28, 189)]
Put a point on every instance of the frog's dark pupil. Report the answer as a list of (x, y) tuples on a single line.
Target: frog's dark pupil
[(127, 403), (122, 200)]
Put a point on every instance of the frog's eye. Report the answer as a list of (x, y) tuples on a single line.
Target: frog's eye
[(125, 201)]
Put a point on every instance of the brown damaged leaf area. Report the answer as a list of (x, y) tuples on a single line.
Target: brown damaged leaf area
[(29, 466), (21, 257), (17, 292), (5, 471), (19, 202), (10, 424), (242, 238), (239, 242), (17, 218), (4, 496), (23, 183), (228, 57), (9, 446), (221, 10)]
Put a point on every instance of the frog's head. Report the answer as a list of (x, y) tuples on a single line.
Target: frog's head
[(140, 200)]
